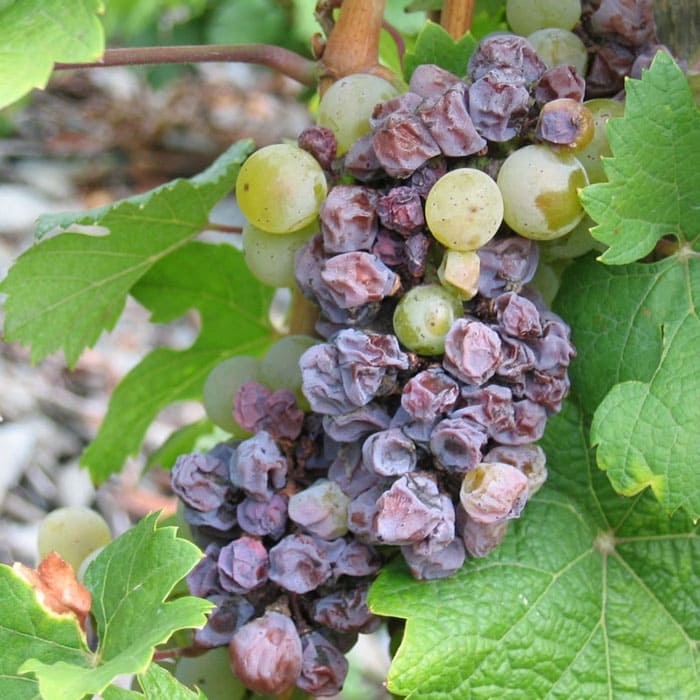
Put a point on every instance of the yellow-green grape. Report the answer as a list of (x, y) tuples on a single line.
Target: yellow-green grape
[(547, 279), (86, 562), (540, 192), (557, 46), (211, 672), (280, 188), (347, 105), (221, 386), (602, 109), (424, 316), (270, 257), (527, 16), (464, 209), (279, 368), (74, 532), (459, 272), (576, 243)]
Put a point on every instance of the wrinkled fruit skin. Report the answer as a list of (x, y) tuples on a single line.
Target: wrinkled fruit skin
[(266, 654)]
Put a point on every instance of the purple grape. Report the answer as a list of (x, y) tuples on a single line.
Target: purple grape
[(417, 249), (402, 144), (560, 81), (321, 379), (321, 509), (529, 420), (201, 481), (456, 443), (345, 611), (231, 613), (450, 123), (300, 563), (429, 80), (259, 467), (349, 219), (517, 316), (266, 654), (497, 108), (629, 23), (389, 453), (429, 394), (361, 514), (357, 278), (490, 406), (263, 518), (472, 351), (355, 559), (409, 511), (348, 471), (216, 523), (508, 57), (323, 667), (506, 264), (480, 539), (358, 423), (243, 565), (401, 210), (361, 161), (203, 581), (440, 564), (320, 142)]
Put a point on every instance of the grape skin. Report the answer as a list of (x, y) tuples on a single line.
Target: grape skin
[(540, 192), (280, 188), (527, 16), (363, 92), (556, 46), (464, 209), (74, 532)]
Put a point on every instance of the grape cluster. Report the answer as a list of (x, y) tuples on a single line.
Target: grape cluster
[(415, 221)]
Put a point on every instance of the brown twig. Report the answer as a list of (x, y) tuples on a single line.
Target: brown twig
[(398, 39), (283, 60), (456, 17), (223, 228)]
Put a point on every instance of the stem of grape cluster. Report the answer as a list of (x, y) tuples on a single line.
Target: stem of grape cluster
[(283, 60), (456, 17)]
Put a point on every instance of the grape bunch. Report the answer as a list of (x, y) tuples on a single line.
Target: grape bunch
[(427, 226)]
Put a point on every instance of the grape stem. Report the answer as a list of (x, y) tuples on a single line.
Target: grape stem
[(395, 34), (456, 17), (223, 228), (289, 63)]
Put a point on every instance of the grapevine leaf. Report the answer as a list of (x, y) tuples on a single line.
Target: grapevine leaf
[(435, 45), (30, 630), (653, 178), (159, 684), (129, 582), (587, 589), (35, 34), (180, 441), (63, 292), (637, 374), (234, 318)]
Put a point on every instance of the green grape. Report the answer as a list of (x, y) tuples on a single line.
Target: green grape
[(540, 192), (424, 316), (464, 209), (347, 105), (556, 46), (459, 272), (280, 188), (211, 672), (279, 368), (270, 257), (602, 109), (74, 532), (547, 279), (574, 244), (527, 16), (221, 386), (86, 562)]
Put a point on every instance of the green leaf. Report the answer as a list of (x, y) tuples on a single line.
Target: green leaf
[(129, 582), (234, 317), (435, 45), (159, 684), (35, 34), (63, 292), (653, 178), (180, 441), (637, 372), (590, 596), (30, 631)]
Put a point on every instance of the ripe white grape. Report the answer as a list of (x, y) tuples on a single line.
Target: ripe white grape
[(527, 16), (602, 109), (424, 316), (347, 105), (556, 46), (280, 369), (540, 192), (74, 532), (459, 272), (221, 386), (270, 257), (464, 209), (280, 188), (211, 672)]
